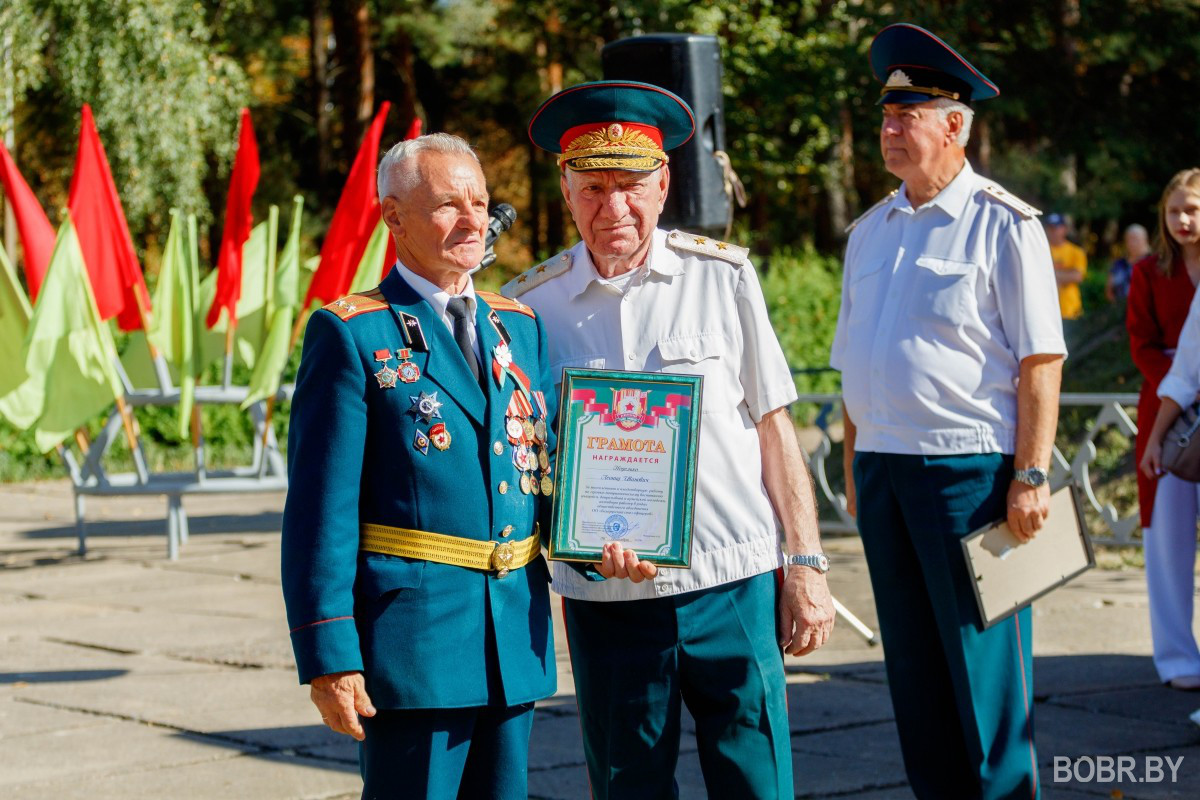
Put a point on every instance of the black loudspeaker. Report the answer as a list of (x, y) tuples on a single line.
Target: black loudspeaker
[(690, 66)]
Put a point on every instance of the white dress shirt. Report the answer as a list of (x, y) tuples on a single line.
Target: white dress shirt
[(694, 314), (1182, 381), (939, 306), (439, 298)]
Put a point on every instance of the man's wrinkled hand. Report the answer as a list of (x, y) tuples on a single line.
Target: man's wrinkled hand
[(341, 697), (617, 562), (805, 611), (1028, 508)]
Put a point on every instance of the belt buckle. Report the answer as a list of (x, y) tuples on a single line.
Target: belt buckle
[(502, 558)]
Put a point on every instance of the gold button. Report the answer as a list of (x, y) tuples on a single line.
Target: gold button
[(498, 449), (508, 529), (503, 487)]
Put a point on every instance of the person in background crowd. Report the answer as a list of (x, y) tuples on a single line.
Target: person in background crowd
[(1137, 246), (1070, 265), (1161, 291)]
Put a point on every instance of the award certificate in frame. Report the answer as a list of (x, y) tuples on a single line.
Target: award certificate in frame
[(627, 447)]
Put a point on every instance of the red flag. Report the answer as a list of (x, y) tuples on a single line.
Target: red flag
[(389, 258), (238, 222), (103, 233), (37, 234), (354, 220)]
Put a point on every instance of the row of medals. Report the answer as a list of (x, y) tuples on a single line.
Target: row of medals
[(528, 440)]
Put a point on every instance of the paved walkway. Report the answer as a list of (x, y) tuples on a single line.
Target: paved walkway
[(123, 675)]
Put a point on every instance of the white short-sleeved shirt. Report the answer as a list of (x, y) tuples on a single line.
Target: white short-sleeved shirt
[(1182, 381), (939, 306), (688, 313)]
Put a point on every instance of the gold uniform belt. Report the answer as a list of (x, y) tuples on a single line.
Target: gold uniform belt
[(444, 549)]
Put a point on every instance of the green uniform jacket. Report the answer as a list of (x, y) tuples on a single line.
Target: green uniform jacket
[(417, 629)]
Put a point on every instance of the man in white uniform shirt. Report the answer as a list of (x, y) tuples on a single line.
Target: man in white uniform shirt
[(950, 346), (632, 297)]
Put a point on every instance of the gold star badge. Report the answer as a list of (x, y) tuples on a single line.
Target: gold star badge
[(522, 279), (722, 246), (701, 240), (541, 268)]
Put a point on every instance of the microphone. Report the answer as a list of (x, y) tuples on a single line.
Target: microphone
[(503, 216)]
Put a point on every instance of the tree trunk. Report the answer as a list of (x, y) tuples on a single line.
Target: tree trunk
[(318, 20), (839, 185), (355, 79), (982, 133), (406, 102), (535, 200)]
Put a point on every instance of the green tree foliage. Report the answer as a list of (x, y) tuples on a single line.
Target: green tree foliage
[(165, 100)]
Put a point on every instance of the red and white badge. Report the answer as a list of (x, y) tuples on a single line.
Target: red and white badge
[(440, 436)]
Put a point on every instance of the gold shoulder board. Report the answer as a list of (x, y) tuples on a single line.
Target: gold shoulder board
[(885, 199), (502, 303), (354, 304), (536, 276), (707, 246), (1002, 195)]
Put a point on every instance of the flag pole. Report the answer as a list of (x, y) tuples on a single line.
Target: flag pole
[(298, 328), (161, 373), (262, 465), (230, 331)]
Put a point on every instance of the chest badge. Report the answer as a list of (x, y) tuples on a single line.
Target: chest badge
[(440, 436), (425, 406), (421, 443), (386, 377), (407, 370)]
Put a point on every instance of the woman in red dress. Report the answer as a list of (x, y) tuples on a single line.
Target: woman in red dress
[(1160, 292)]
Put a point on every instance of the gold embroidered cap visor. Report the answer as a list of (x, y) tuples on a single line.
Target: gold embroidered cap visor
[(622, 125), (915, 66)]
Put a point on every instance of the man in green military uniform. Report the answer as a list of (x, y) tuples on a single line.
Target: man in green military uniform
[(418, 467)]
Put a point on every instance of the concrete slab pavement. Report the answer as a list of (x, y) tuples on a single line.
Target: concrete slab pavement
[(123, 675)]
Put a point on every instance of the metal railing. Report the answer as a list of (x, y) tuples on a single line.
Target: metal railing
[(1119, 525)]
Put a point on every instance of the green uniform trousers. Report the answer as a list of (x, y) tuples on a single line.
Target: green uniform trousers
[(963, 696), (715, 650)]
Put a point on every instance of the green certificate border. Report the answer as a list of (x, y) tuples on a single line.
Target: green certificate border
[(663, 407)]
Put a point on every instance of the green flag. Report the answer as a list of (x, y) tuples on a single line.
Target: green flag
[(69, 351), (20, 398), (135, 358), (172, 327), (268, 371), (371, 265), (258, 259)]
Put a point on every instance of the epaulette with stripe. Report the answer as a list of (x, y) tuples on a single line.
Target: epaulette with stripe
[(885, 199), (1002, 195), (707, 246), (499, 302), (536, 276), (354, 304)]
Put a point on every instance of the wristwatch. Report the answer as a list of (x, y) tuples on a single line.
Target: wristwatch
[(1034, 476), (818, 561)]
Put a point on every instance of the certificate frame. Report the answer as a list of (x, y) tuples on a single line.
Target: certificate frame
[(1008, 576), (659, 419)]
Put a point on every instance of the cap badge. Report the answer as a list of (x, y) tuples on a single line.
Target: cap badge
[(899, 78)]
